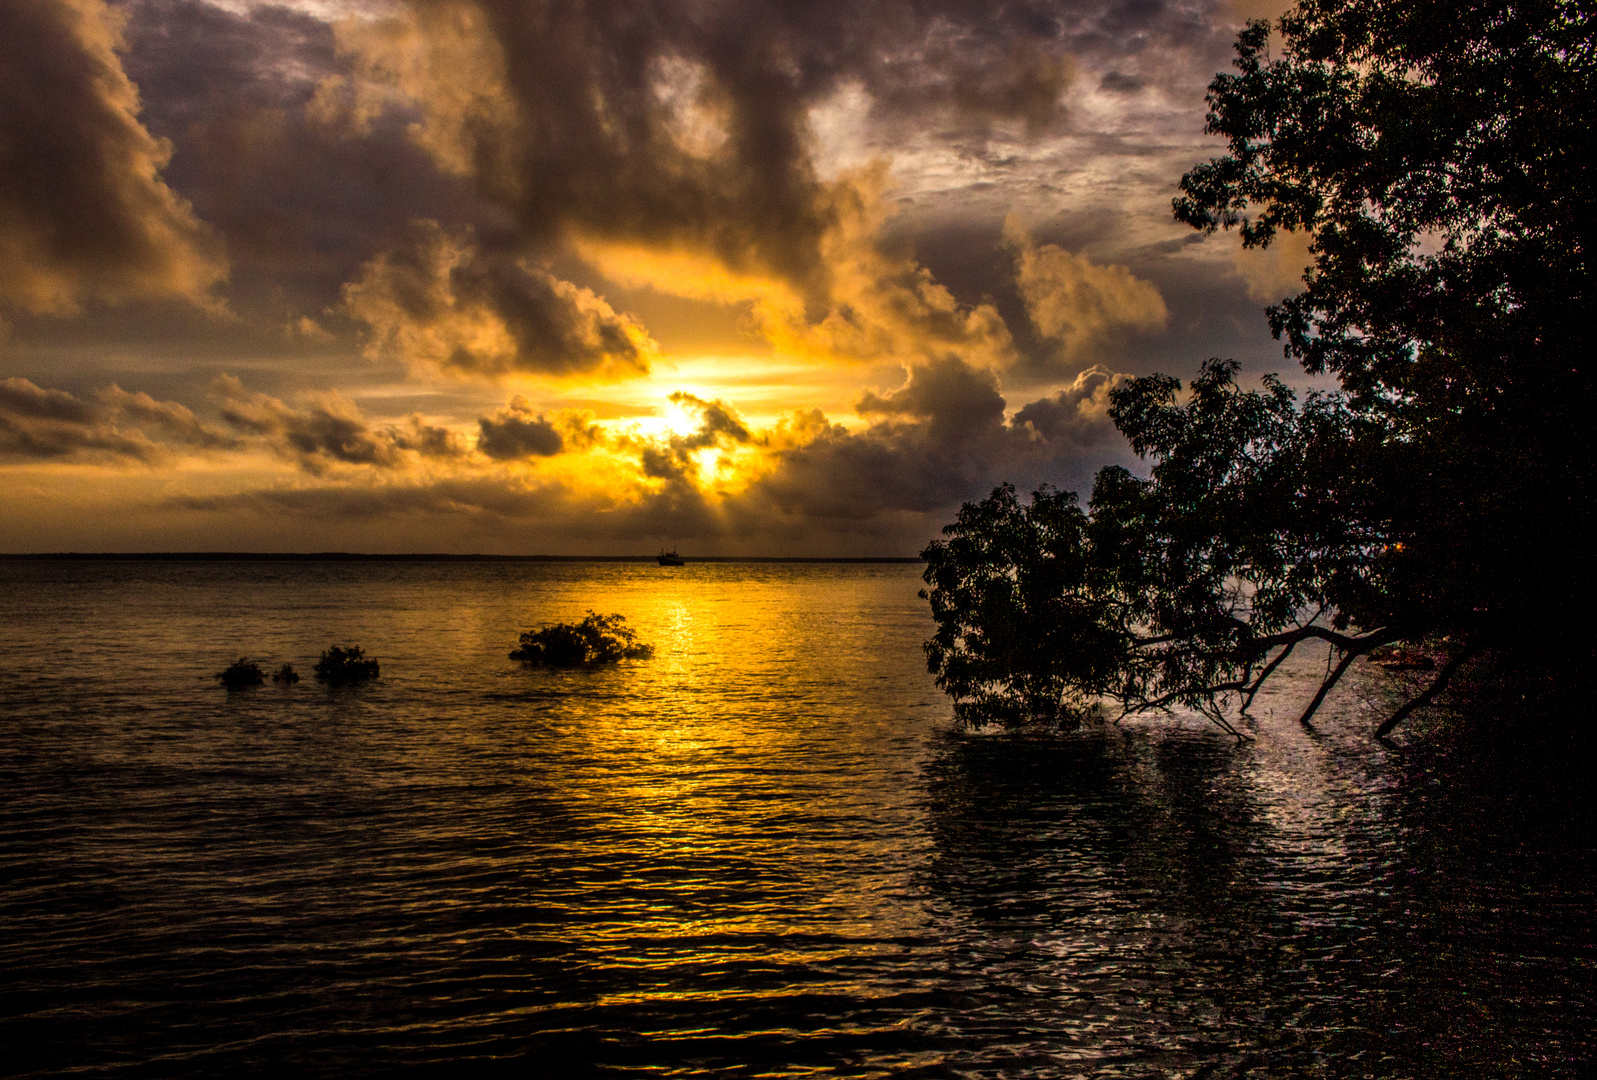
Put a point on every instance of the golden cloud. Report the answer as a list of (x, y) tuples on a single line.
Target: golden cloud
[(1079, 303), (438, 300)]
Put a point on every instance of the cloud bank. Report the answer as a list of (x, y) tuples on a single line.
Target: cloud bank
[(578, 276)]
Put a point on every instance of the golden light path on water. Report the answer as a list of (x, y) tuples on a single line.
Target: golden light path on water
[(762, 851)]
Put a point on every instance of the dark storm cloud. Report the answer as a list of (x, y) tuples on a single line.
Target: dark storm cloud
[(955, 399), (944, 441), (37, 423), (83, 210), (329, 430), (686, 123), (440, 299), (1077, 415), (514, 432), (674, 123), (301, 197)]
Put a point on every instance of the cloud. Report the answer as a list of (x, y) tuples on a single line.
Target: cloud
[(438, 57), (1077, 302), (503, 191), (884, 303), (941, 440), (652, 128), (440, 300), (954, 398), (876, 303), (686, 126), (718, 421), (84, 213), (424, 439), (42, 424), (514, 432), (674, 458), (941, 390), (1277, 271), (976, 84), (1077, 415), (329, 430), (800, 484)]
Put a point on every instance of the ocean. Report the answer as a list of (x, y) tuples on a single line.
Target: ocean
[(766, 851)]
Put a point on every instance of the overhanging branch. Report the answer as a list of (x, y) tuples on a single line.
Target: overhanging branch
[(1426, 698)]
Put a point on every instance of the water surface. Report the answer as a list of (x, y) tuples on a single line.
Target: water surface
[(764, 852)]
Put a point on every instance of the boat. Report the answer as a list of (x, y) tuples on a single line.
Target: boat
[(671, 558)]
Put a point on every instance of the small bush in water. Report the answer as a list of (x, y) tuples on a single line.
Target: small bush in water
[(340, 665), (597, 639), (241, 672), (285, 674)]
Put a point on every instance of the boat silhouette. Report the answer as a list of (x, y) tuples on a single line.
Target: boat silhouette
[(671, 558)]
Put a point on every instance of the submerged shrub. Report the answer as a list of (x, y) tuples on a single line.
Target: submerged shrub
[(285, 674), (597, 639), (241, 672), (340, 665)]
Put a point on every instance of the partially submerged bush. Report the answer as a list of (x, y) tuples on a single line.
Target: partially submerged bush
[(597, 639), (340, 665), (240, 673), (285, 674)]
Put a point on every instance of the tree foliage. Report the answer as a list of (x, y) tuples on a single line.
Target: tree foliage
[(1021, 634), (1437, 154), (597, 639), (241, 673), (339, 665)]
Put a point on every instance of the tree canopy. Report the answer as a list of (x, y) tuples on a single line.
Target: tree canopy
[(1437, 155), (597, 639)]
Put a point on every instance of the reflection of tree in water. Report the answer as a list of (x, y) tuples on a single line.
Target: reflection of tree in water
[(1076, 875), (1132, 901)]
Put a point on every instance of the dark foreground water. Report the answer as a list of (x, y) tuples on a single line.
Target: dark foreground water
[(764, 852)]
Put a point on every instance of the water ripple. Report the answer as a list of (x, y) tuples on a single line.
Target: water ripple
[(763, 852)]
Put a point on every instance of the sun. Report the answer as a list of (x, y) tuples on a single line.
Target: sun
[(670, 419)]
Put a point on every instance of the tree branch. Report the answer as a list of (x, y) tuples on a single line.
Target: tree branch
[(1426, 698), (1358, 644), (1361, 642), (1325, 687), (1251, 691)]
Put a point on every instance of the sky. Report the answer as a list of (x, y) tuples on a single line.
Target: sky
[(559, 277)]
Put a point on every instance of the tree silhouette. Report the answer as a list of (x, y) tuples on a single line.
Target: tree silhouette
[(597, 639), (1437, 154), (241, 673), (339, 665)]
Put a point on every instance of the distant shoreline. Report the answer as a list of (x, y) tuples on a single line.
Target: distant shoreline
[(353, 556)]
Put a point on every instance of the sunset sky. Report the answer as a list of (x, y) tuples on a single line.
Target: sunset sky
[(535, 276)]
